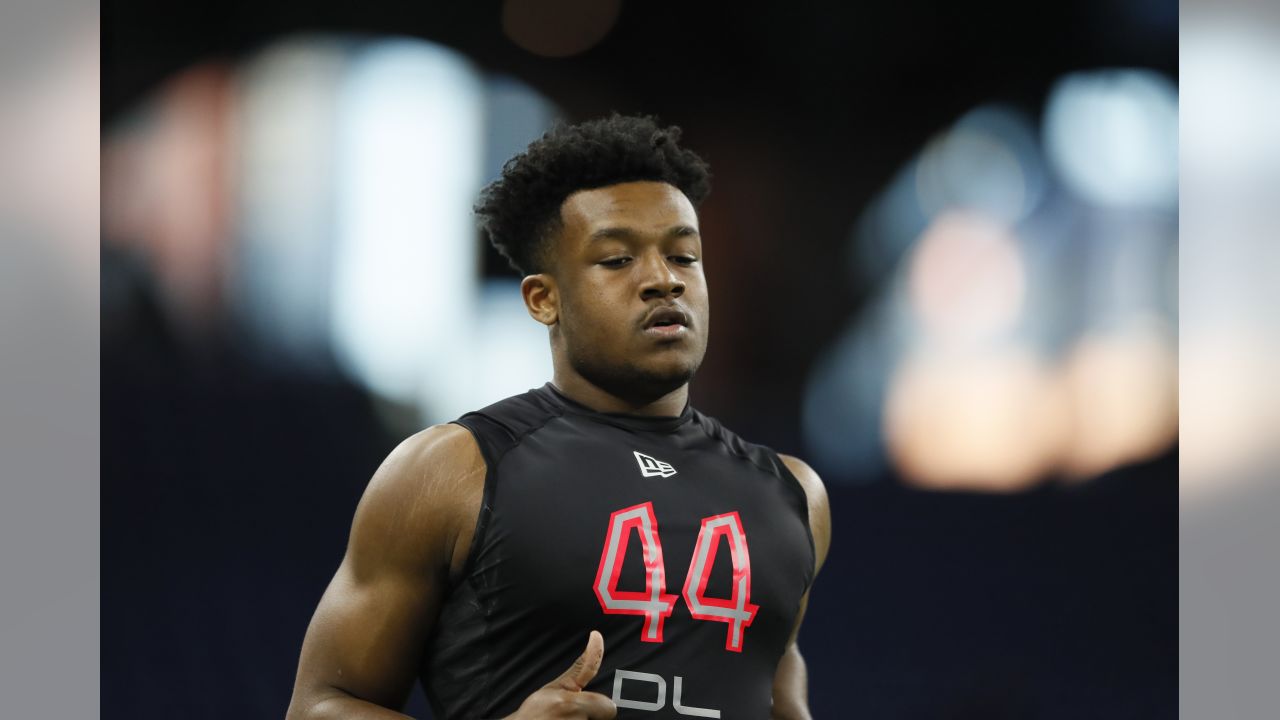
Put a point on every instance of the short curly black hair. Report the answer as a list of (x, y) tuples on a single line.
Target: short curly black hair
[(520, 210)]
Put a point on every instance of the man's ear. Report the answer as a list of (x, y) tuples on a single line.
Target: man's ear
[(541, 298)]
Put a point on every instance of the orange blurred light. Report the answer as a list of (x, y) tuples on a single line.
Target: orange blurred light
[(1123, 389), (974, 421)]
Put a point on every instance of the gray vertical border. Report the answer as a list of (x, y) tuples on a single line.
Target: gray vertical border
[(49, 354), (1229, 520)]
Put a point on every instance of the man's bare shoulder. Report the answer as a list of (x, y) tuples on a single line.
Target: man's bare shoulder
[(430, 462), (819, 505), (437, 454), (814, 489), (423, 495)]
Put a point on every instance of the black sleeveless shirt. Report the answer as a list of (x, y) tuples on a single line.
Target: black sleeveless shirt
[(686, 547)]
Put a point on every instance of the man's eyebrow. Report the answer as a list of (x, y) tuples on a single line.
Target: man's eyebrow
[(613, 233), (626, 233)]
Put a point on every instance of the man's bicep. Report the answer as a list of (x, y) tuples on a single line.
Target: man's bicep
[(365, 638), (819, 506), (790, 682), (368, 632)]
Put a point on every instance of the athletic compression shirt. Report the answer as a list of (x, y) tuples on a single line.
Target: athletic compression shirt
[(686, 547)]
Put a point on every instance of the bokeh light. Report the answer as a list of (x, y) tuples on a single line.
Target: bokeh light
[(966, 277), (167, 191), (1123, 390), (987, 161), (316, 200), (558, 28), (282, 269), (1113, 136), (409, 157), (991, 421), (1020, 329)]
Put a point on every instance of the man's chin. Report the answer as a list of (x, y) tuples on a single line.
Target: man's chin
[(641, 383), (659, 384), (671, 372)]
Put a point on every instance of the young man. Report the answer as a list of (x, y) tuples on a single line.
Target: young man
[(600, 509)]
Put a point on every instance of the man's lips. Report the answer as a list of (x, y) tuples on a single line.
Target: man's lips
[(666, 323), (666, 317)]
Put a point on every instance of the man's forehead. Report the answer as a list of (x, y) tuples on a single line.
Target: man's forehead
[(641, 203)]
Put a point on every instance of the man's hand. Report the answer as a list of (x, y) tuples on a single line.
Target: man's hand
[(564, 698)]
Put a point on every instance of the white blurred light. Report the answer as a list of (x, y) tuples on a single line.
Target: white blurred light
[(409, 163), (987, 162), (512, 351), (966, 277), (283, 269), (1113, 136)]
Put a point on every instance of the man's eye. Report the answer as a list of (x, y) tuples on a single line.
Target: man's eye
[(683, 259), (615, 262)]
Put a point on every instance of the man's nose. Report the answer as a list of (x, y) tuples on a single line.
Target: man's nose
[(659, 279)]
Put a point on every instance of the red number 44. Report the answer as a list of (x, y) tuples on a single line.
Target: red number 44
[(654, 603)]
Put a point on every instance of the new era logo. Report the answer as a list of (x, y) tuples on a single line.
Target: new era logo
[(649, 467)]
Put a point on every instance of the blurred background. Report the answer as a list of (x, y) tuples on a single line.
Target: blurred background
[(943, 253)]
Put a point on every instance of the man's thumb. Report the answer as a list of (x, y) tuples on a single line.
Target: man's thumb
[(586, 666)]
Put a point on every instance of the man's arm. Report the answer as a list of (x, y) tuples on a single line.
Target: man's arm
[(791, 681), (412, 531), (412, 528)]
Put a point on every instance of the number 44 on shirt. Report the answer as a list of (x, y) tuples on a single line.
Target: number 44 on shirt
[(654, 603)]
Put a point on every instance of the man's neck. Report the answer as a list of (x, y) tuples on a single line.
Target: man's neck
[(584, 392)]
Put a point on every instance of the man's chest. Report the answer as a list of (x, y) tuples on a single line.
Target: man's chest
[(648, 542)]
